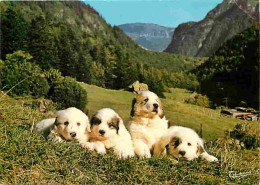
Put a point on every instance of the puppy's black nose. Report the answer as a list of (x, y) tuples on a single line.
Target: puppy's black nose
[(73, 134), (155, 105), (102, 132), (182, 153)]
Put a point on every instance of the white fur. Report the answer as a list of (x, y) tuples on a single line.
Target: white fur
[(78, 124), (147, 128), (120, 142), (45, 125), (190, 141)]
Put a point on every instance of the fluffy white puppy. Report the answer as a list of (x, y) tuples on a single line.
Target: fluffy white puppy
[(182, 142), (147, 123), (107, 128), (70, 124)]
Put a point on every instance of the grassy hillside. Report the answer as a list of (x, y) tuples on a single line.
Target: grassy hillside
[(27, 158)]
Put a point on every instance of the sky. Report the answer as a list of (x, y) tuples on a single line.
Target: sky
[(169, 13)]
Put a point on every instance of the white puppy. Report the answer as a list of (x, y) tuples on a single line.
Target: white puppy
[(70, 124), (147, 123), (182, 142), (108, 128)]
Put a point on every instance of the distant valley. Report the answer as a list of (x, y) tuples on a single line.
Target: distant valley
[(150, 36)]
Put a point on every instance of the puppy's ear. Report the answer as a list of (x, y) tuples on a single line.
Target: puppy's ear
[(116, 123), (56, 121), (159, 147), (132, 113), (95, 120), (200, 148), (175, 141)]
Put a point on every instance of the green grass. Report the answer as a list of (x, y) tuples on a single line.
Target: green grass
[(27, 158)]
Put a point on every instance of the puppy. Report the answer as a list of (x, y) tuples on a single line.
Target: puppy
[(147, 123), (108, 128), (70, 124), (182, 142)]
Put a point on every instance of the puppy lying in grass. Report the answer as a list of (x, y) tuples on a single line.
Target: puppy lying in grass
[(70, 124), (108, 131), (182, 142)]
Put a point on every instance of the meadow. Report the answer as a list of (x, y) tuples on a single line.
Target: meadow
[(27, 158)]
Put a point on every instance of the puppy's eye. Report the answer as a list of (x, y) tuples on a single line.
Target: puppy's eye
[(78, 124), (111, 125), (189, 144), (66, 123), (146, 100)]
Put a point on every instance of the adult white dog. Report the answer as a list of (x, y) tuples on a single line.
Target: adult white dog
[(182, 142), (70, 124), (147, 123), (107, 128)]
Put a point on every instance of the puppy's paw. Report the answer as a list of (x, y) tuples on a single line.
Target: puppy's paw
[(211, 158), (88, 146), (125, 154), (144, 154), (100, 148)]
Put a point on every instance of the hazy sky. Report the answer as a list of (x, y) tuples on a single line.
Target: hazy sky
[(163, 12)]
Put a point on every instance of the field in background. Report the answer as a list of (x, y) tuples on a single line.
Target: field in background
[(178, 112)]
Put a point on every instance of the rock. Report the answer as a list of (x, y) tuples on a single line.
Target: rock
[(136, 87), (43, 104), (237, 142), (203, 38)]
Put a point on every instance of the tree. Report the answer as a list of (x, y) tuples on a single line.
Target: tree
[(14, 30)]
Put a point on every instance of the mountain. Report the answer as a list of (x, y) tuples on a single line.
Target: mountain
[(150, 36), (203, 38)]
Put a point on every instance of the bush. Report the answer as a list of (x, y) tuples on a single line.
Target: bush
[(247, 134), (39, 87), (52, 76), (22, 76), (198, 99), (68, 93)]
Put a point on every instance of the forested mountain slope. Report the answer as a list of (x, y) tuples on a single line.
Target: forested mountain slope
[(232, 74)]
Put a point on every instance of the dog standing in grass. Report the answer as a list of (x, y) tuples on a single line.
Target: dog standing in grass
[(70, 124), (108, 131), (147, 123), (182, 142)]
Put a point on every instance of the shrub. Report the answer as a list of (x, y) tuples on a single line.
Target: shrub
[(247, 134), (23, 76), (39, 87), (68, 93), (198, 99), (52, 76)]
